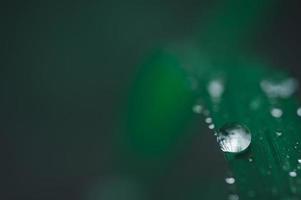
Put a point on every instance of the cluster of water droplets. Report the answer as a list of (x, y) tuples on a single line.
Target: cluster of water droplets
[(279, 89), (199, 109), (236, 137)]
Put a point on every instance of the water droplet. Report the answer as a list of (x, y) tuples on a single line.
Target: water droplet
[(233, 197), (215, 88), (276, 112), (299, 111), (250, 159), (292, 174), (211, 126), (299, 161), (278, 133), (234, 138), (208, 120), (230, 180), (279, 89), (197, 109)]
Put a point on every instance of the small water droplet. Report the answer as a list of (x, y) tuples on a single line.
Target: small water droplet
[(299, 111), (276, 112), (230, 180), (278, 133), (250, 159), (233, 197), (234, 138), (299, 161), (215, 88), (211, 126), (197, 109), (279, 89), (208, 120), (292, 174)]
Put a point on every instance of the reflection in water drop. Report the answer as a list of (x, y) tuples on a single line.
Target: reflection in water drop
[(279, 89), (234, 138), (299, 161), (276, 112), (230, 180)]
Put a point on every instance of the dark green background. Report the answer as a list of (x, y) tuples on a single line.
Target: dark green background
[(65, 72)]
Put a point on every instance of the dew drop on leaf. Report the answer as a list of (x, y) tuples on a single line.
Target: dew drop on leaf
[(230, 180), (211, 126), (276, 112), (234, 138), (292, 174), (208, 120)]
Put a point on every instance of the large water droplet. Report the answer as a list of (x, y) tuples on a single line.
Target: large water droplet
[(234, 138)]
